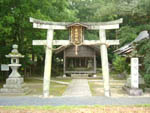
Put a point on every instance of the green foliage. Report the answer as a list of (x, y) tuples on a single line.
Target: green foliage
[(147, 80), (119, 64), (15, 27), (126, 34), (144, 50)]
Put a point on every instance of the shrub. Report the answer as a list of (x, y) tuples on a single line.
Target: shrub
[(119, 64), (147, 79)]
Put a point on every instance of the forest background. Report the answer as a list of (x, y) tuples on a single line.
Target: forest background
[(15, 28)]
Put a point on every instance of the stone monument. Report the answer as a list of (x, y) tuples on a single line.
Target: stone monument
[(132, 85), (14, 83)]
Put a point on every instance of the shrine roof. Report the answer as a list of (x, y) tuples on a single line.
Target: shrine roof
[(128, 48), (62, 48)]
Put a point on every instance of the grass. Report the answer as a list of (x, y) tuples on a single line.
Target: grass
[(30, 80), (93, 87), (76, 109), (39, 79), (97, 88), (62, 79), (1, 85), (36, 87), (57, 89)]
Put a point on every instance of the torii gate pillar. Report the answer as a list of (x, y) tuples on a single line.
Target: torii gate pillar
[(48, 63), (104, 60)]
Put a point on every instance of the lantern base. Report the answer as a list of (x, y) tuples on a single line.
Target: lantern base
[(14, 86), (133, 91)]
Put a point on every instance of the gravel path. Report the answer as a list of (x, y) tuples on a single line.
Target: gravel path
[(58, 101), (78, 87)]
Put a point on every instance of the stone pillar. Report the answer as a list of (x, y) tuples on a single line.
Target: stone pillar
[(134, 73), (132, 85), (48, 63), (104, 60)]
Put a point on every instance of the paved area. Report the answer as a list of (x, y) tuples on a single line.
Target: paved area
[(59, 101), (78, 87)]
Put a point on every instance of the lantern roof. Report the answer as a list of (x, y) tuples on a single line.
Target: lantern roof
[(14, 53)]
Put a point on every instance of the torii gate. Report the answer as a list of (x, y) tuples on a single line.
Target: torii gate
[(51, 26)]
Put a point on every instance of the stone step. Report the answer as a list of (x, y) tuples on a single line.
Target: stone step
[(15, 80), (15, 86), (79, 75), (111, 81), (25, 92), (113, 84), (78, 87), (7, 90)]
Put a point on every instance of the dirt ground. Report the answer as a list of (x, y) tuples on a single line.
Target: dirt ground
[(97, 89), (81, 110)]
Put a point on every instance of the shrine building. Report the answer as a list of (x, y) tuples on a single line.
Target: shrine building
[(82, 63)]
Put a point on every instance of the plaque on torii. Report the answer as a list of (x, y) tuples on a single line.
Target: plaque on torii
[(77, 39)]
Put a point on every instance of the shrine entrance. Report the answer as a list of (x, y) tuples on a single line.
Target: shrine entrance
[(83, 63), (76, 39), (79, 64)]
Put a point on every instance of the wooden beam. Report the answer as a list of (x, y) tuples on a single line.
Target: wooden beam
[(39, 42), (67, 42), (112, 42), (62, 25), (97, 27), (61, 42), (45, 26), (55, 42), (33, 20), (98, 42)]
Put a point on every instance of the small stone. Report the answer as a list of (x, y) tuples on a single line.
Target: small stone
[(64, 76), (94, 76)]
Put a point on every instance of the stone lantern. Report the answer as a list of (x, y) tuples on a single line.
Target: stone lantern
[(14, 83), (14, 55)]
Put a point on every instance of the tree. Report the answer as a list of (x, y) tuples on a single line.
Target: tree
[(16, 28)]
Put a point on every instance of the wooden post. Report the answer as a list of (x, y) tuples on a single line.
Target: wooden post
[(104, 60), (95, 62), (48, 63), (64, 62)]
